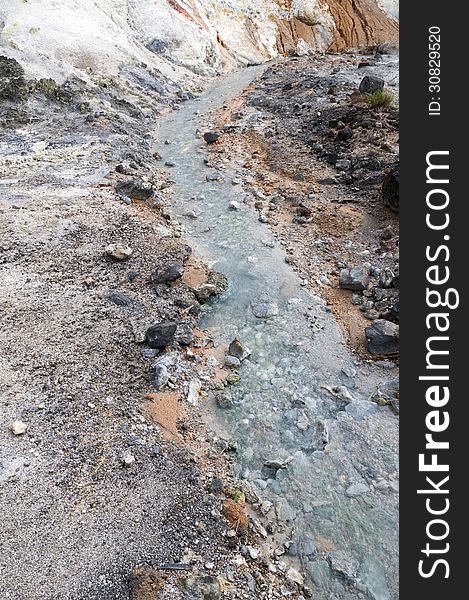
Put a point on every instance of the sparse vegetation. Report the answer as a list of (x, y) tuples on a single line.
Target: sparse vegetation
[(380, 99)]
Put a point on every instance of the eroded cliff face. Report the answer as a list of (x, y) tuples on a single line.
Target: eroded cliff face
[(181, 38)]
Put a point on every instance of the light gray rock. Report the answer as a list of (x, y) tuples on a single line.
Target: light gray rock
[(119, 252), (343, 164), (356, 489), (264, 308), (18, 427)]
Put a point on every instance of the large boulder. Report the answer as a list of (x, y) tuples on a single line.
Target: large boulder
[(383, 338), (371, 84), (354, 278)]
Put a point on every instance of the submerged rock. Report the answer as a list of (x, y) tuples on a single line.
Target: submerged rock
[(238, 350), (264, 308)]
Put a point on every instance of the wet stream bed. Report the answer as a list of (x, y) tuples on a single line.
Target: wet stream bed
[(308, 437)]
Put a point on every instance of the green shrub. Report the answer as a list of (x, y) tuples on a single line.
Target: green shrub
[(380, 99)]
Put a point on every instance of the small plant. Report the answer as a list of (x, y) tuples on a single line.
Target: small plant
[(380, 99)]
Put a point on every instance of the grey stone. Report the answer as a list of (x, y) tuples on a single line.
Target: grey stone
[(232, 361), (211, 136), (204, 291), (118, 298), (263, 308), (216, 486), (161, 377), (354, 278), (383, 337), (238, 350), (224, 400), (370, 84), (203, 587), (386, 278), (135, 189), (128, 459), (119, 252), (321, 435), (184, 334), (343, 164), (161, 334), (356, 489), (167, 273)]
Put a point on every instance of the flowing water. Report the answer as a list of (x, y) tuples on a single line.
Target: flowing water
[(302, 403)]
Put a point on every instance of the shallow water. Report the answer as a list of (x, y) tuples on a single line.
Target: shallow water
[(345, 537)]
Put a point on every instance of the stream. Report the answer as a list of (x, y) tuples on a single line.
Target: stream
[(309, 438)]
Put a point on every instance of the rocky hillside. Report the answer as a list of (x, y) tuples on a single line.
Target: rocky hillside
[(181, 37)]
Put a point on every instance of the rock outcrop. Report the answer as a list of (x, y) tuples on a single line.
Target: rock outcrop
[(181, 38)]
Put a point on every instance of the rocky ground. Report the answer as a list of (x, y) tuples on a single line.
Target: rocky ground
[(110, 485), (312, 157)]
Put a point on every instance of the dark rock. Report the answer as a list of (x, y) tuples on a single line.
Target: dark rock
[(211, 136), (224, 400), (161, 334), (167, 274), (53, 91), (345, 134), (383, 338), (145, 583), (135, 189), (118, 298), (370, 84), (304, 211), (216, 486), (343, 164), (386, 278), (390, 190), (185, 95), (356, 278), (13, 85)]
